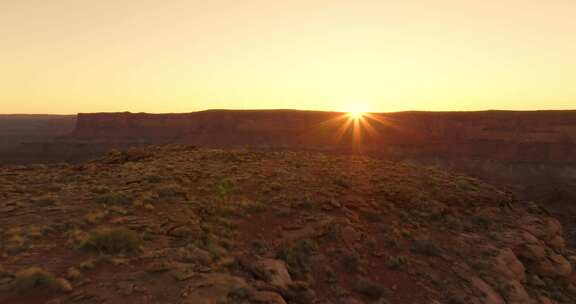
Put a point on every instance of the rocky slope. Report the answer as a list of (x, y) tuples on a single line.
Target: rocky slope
[(177, 224)]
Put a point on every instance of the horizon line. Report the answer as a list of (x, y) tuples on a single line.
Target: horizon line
[(284, 109)]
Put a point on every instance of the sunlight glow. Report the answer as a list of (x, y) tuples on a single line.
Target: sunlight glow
[(183, 56), (356, 114)]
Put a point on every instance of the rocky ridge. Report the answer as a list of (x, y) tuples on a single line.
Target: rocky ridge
[(176, 224)]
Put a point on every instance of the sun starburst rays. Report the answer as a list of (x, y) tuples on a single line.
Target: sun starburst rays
[(361, 127)]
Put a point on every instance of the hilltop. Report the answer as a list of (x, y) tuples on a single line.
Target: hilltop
[(177, 224)]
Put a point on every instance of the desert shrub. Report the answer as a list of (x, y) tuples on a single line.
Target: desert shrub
[(350, 262), (239, 295), (3, 272), (226, 243), (482, 220), (274, 186), (369, 289), (45, 200), (16, 243), (373, 217), (37, 231), (225, 211), (425, 247), (152, 178), (76, 238), (300, 292), (396, 262), (121, 157), (342, 181), (96, 216), (305, 205), (330, 275), (225, 188), (259, 247), (114, 198), (171, 190), (297, 256), (253, 207), (113, 240), (89, 263), (328, 233), (99, 189), (230, 156), (32, 277)]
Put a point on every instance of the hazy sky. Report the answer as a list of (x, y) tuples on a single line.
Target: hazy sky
[(68, 56)]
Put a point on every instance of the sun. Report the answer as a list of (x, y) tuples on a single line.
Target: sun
[(356, 110), (356, 114)]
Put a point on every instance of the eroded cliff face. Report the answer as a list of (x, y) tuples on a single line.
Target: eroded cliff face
[(542, 136)]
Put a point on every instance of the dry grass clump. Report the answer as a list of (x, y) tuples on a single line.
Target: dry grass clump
[(170, 190), (369, 289), (96, 216), (225, 188), (396, 262), (253, 206), (14, 240), (425, 247), (114, 198), (121, 157), (113, 240), (34, 277)]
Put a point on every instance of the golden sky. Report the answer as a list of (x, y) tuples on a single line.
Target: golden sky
[(68, 56)]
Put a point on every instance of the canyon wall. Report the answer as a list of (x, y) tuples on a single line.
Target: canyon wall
[(22, 135), (539, 136)]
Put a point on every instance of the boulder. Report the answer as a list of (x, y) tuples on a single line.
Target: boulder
[(557, 243), (185, 231), (349, 236), (515, 293), (194, 254), (490, 295), (554, 265), (272, 271), (300, 293), (532, 251), (542, 228), (276, 272), (213, 288), (267, 297), (508, 265), (546, 300)]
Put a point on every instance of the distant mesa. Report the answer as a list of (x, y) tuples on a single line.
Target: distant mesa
[(533, 136)]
